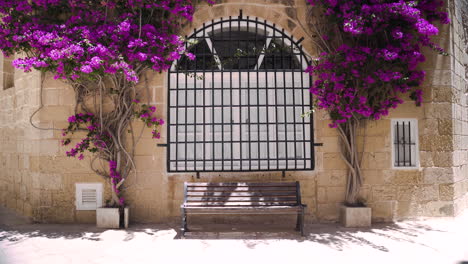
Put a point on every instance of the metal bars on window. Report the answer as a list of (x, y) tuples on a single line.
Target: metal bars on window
[(237, 106), (405, 138)]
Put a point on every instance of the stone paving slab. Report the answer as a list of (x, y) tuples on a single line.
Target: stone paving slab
[(439, 240)]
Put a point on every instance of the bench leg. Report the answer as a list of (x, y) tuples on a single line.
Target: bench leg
[(302, 221), (184, 222), (298, 222)]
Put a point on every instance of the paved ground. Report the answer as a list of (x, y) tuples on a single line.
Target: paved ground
[(430, 241)]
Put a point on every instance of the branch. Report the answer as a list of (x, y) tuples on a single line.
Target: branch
[(41, 105)]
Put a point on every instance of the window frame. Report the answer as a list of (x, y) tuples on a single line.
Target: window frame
[(241, 23), (415, 134)]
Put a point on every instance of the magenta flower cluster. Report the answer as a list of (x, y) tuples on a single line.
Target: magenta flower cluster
[(145, 114), (94, 140), (81, 38), (378, 56)]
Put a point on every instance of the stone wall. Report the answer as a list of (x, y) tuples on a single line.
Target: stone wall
[(16, 181), (459, 34), (38, 179)]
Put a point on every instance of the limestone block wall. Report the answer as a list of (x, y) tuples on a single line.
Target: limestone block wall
[(459, 30), (16, 180), (38, 179)]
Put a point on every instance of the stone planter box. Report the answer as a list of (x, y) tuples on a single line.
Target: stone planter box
[(355, 216), (109, 217)]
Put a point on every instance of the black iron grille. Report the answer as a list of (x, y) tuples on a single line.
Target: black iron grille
[(404, 144), (238, 105)]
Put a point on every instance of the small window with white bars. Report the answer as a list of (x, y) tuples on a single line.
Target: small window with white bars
[(88, 196), (405, 149)]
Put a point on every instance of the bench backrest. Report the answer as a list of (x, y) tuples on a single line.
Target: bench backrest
[(242, 194)]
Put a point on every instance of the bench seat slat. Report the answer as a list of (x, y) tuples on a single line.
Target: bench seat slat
[(241, 194), (276, 212), (240, 189), (244, 210), (239, 199), (240, 184), (248, 203)]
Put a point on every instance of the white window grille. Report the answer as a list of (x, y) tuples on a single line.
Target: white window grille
[(405, 149)]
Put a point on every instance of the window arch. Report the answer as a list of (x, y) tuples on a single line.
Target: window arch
[(237, 106)]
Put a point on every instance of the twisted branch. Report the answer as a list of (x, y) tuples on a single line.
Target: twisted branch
[(91, 96)]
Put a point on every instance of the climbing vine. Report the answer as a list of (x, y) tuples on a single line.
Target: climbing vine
[(369, 53), (102, 49)]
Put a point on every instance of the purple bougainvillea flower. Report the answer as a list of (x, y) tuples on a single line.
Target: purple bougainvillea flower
[(191, 56), (72, 119), (365, 74), (88, 40)]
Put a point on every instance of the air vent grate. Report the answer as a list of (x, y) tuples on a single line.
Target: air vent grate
[(88, 196)]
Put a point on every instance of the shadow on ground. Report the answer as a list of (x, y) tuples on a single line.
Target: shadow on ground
[(330, 235), (339, 238), (14, 229), (85, 232)]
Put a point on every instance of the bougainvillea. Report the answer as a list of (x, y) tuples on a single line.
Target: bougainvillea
[(93, 37), (375, 58), (370, 50), (145, 114), (94, 140), (102, 49)]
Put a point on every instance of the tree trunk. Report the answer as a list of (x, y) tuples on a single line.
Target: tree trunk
[(350, 156)]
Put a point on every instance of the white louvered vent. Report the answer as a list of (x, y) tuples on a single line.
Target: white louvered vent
[(88, 196)]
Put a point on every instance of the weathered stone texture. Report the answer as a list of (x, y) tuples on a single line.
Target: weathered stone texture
[(458, 191)]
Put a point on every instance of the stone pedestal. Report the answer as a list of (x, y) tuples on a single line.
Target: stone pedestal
[(109, 217), (355, 216)]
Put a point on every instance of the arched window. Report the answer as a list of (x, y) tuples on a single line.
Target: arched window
[(237, 106)]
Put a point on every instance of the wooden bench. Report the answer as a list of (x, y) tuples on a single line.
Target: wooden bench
[(203, 198)]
